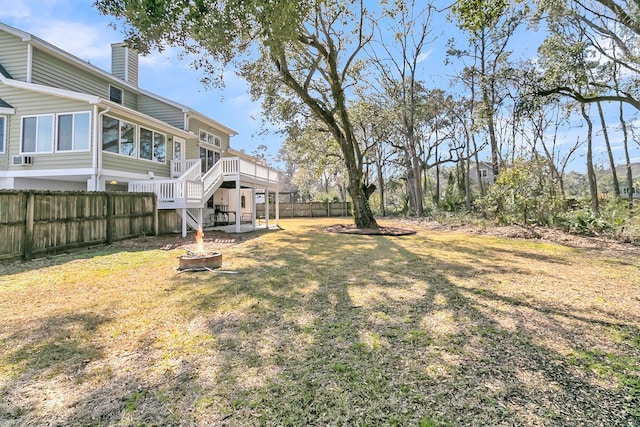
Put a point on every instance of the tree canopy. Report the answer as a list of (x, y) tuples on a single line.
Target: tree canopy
[(300, 58)]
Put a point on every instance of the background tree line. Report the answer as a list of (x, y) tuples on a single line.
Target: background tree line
[(345, 81)]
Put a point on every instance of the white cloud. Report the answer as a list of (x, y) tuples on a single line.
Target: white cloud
[(14, 10), (239, 101), (424, 55), (84, 41)]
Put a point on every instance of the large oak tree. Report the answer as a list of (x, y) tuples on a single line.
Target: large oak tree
[(300, 58)]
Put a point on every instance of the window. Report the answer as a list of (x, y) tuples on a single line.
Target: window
[(152, 145), (483, 173), (115, 94), (73, 132), (243, 201), (128, 142), (159, 151), (208, 158), (119, 136), (210, 138), (110, 134), (177, 150), (37, 134), (3, 127)]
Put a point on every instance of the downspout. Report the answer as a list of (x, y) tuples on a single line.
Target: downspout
[(98, 151)]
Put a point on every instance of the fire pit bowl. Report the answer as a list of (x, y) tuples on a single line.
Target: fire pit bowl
[(197, 261)]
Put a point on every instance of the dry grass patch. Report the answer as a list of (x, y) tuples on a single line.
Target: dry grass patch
[(305, 327)]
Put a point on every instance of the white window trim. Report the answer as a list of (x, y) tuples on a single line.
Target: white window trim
[(153, 144), (137, 128), (3, 130), (217, 141), (53, 133), (177, 141), (55, 129), (54, 148), (121, 93)]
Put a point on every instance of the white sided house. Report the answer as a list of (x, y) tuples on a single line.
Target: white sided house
[(68, 125)]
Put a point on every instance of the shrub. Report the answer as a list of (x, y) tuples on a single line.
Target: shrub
[(523, 193)]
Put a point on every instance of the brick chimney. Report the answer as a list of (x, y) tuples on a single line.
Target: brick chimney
[(124, 63)]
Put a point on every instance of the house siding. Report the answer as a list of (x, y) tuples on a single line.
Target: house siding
[(118, 62), (13, 55), (31, 103), (51, 71), (126, 164), (161, 111), (132, 63), (193, 149)]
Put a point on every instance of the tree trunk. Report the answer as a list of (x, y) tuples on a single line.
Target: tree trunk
[(625, 138), (417, 178), (360, 193), (614, 174), (489, 113), (383, 211), (591, 173)]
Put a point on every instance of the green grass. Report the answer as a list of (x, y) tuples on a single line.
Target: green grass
[(312, 328)]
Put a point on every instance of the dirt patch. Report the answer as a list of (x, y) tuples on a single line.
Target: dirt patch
[(211, 240), (381, 231)]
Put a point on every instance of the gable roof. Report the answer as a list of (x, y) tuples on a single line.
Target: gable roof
[(5, 108), (4, 72), (96, 100), (67, 57)]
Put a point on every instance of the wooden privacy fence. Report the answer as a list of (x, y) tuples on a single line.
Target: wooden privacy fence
[(34, 223), (306, 210)]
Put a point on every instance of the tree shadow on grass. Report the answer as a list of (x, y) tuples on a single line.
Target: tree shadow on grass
[(359, 349), (51, 347), (359, 330)]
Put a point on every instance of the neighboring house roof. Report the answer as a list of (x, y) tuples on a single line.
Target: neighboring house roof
[(482, 163), (635, 169), (67, 57)]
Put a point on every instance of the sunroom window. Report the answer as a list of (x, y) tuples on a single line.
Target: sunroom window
[(152, 145), (119, 136)]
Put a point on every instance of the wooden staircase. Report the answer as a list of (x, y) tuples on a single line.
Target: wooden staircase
[(188, 190)]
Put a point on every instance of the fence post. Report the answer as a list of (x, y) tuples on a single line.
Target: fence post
[(109, 218), (156, 225), (28, 227)]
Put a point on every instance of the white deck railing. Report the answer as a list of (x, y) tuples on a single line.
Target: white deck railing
[(191, 188), (180, 167)]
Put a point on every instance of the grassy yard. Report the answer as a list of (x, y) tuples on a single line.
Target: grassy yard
[(305, 327)]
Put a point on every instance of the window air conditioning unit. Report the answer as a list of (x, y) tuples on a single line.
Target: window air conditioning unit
[(22, 160)]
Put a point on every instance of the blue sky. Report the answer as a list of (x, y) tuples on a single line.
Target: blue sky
[(78, 28)]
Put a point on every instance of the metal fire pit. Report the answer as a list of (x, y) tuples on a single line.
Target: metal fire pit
[(200, 262)]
